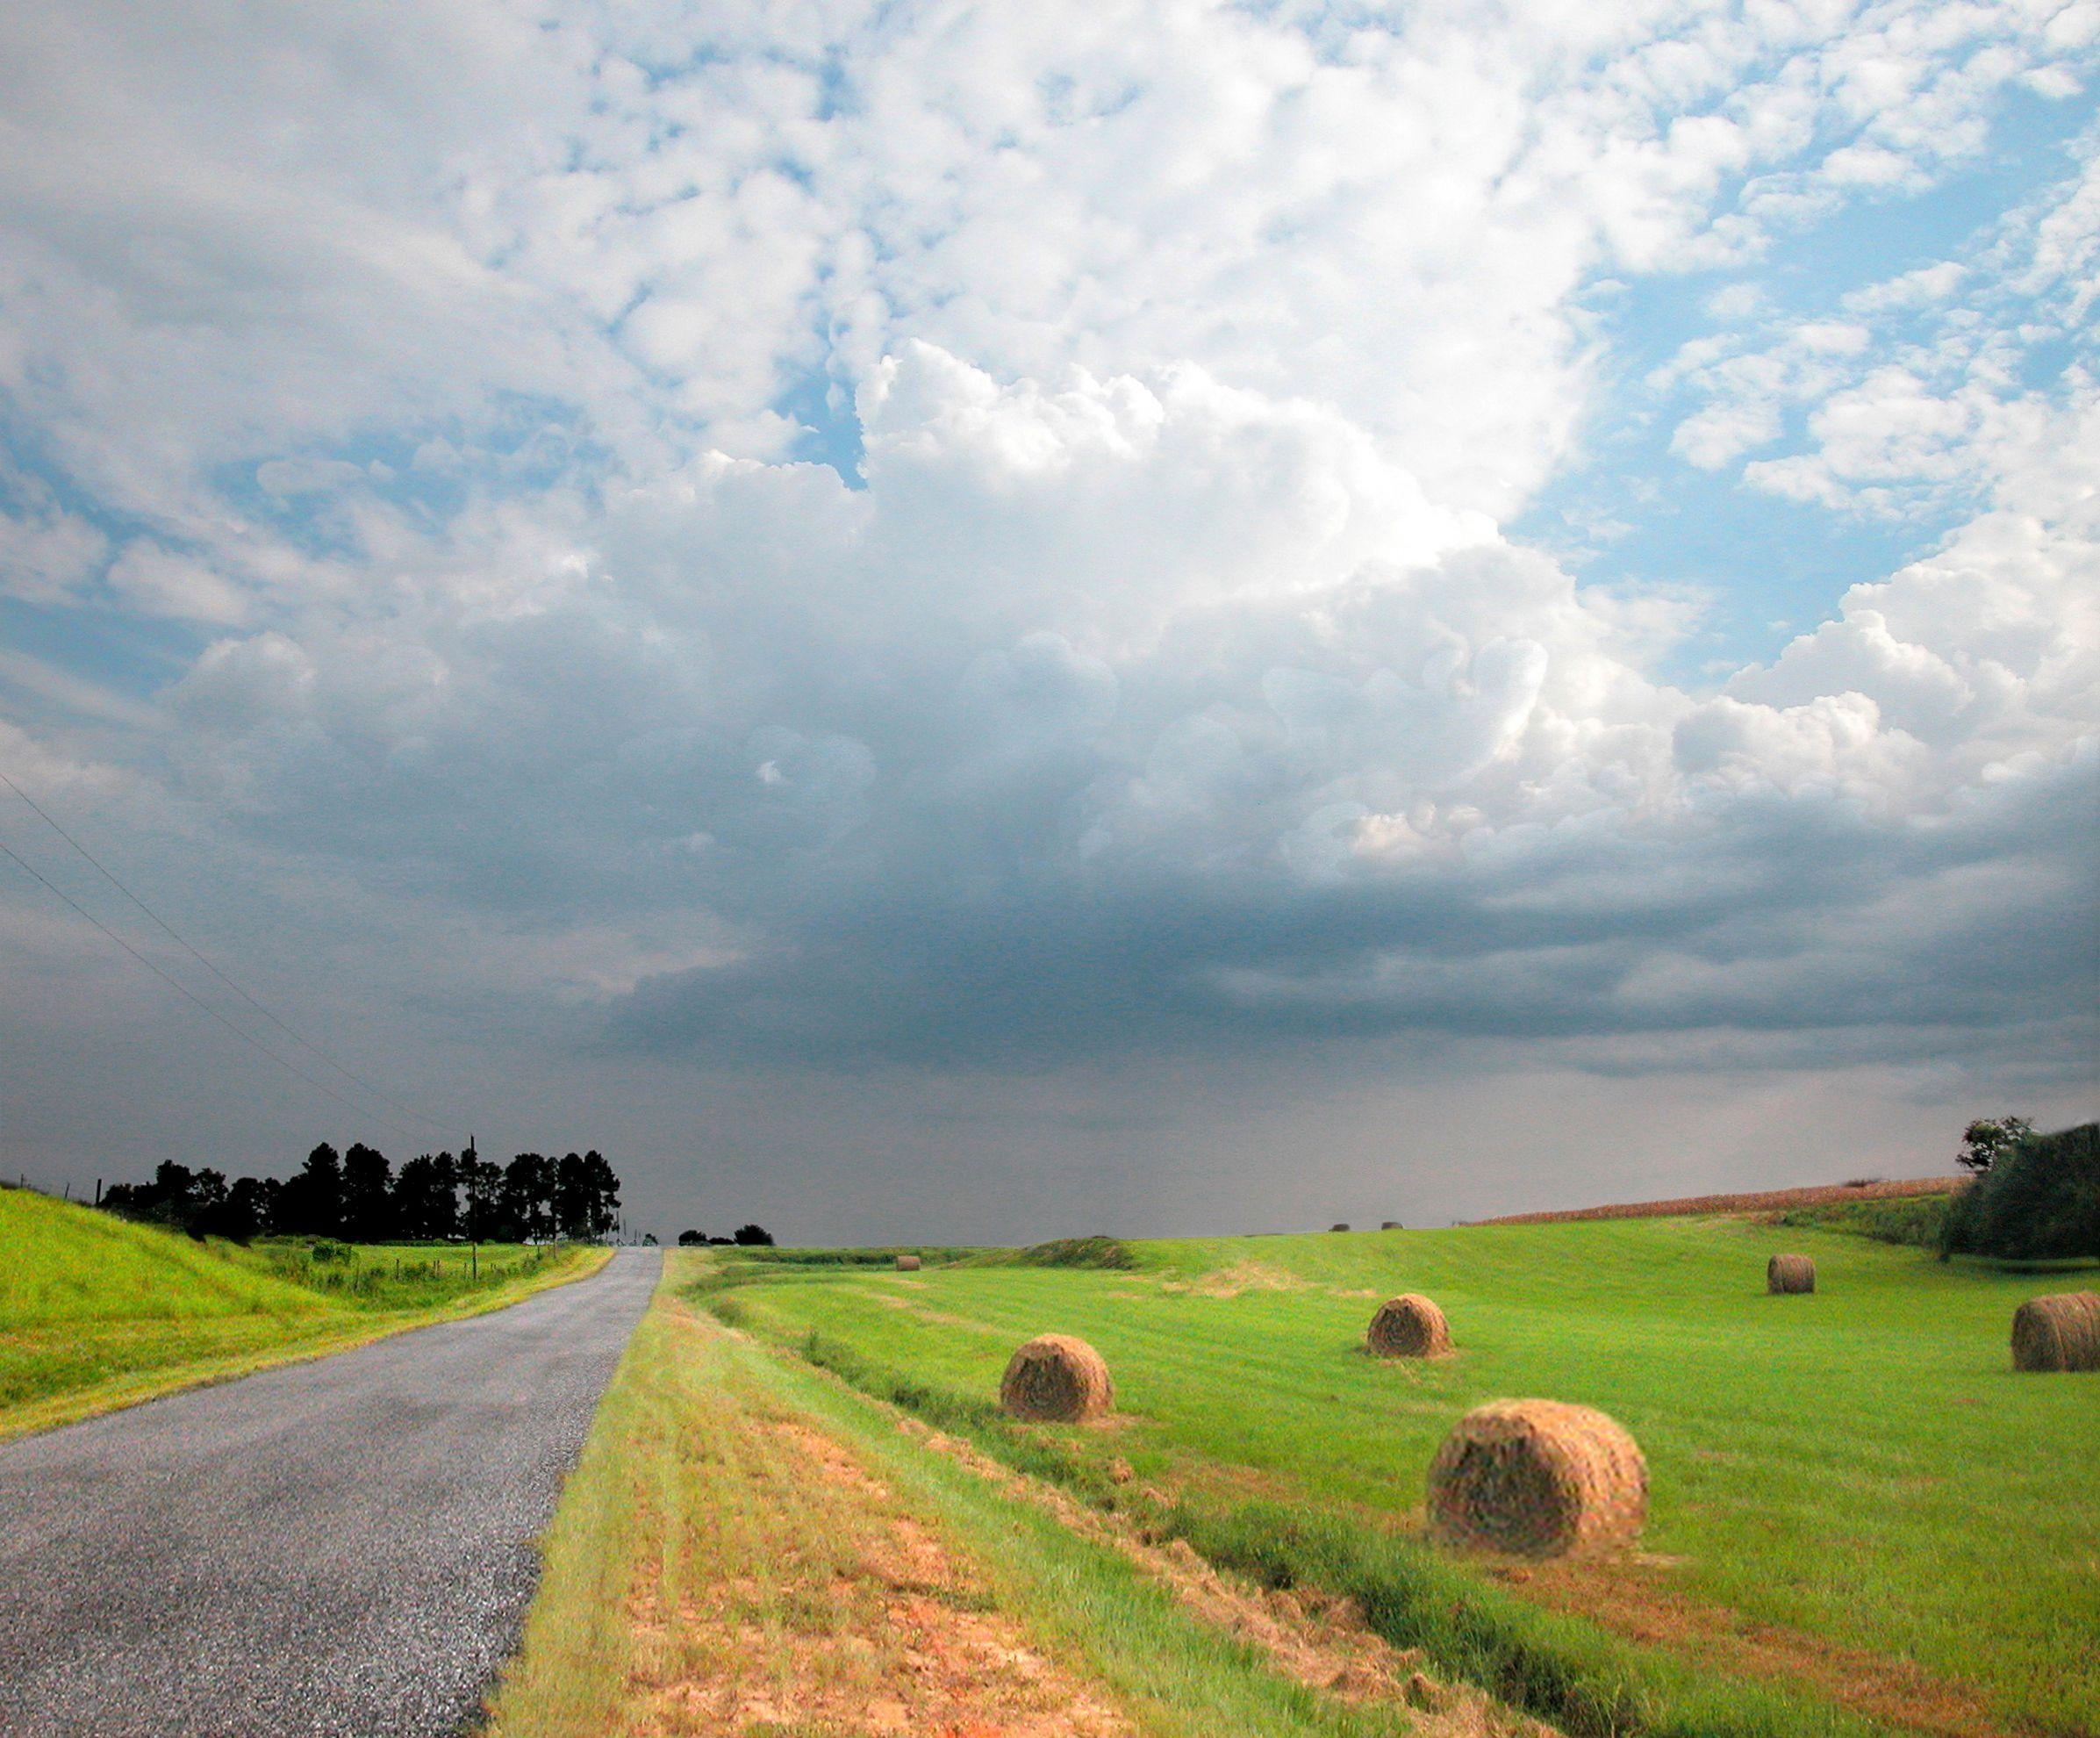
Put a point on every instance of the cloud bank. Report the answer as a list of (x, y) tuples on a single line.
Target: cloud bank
[(834, 542)]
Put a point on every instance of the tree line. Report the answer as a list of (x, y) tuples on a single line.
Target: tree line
[(359, 1197)]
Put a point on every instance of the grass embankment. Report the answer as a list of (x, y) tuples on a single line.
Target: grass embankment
[(1855, 1500), (749, 1546), (96, 1312)]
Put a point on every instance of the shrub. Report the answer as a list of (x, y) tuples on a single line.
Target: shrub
[(1078, 1252), (2040, 1201), (1919, 1220)]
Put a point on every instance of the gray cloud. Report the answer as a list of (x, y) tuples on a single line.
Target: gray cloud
[(1771, 918)]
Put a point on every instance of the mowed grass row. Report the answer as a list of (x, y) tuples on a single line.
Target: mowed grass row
[(96, 1312), (701, 1576), (1860, 1466)]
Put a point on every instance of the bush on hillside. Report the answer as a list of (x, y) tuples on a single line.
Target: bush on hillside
[(1078, 1252), (2040, 1201), (1919, 1220)]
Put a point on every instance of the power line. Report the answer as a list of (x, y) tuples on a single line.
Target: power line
[(183, 941), (175, 983)]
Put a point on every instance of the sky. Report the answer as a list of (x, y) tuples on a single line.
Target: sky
[(944, 622)]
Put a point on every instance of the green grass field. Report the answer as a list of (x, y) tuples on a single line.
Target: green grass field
[(96, 1312), (1853, 1495), (696, 1563)]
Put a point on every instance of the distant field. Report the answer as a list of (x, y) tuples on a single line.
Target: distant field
[(1764, 1201), (96, 1312), (1854, 1497)]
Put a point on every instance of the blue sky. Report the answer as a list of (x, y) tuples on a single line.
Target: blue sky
[(1116, 603), (1774, 566)]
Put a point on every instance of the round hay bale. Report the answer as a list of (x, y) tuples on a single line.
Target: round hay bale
[(1391, 1224), (1408, 1327), (908, 1264), (1789, 1273), (1537, 1478), (2058, 1333), (1339, 1224), (1057, 1379)]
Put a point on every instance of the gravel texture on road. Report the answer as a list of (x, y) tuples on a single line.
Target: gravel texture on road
[(341, 1547)]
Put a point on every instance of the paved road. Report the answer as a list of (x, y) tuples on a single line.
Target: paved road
[(342, 1546)]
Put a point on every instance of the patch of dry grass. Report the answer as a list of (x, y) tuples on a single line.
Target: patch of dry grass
[(1241, 1276)]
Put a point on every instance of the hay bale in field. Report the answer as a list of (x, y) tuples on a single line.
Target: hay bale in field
[(908, 1264), (1788, 1273), (1058, 1379), (1408, 1327), (2057, 1332), (1537, 1478), (1340, 1224), (1391, 1224)]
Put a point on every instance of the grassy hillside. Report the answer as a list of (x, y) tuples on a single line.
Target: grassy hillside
[(1852, 1491), (69, 1265), (96, 1312)]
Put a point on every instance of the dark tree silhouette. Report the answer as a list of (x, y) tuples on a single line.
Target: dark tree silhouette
[(754, 1236), (527, 1212), (310, 1203), (586, 1195), (195, 1202), (358, 1198), (368, 1195), (440, 1217), (481, 1196), (572, 1196), (426, 1198), (248, 1211)]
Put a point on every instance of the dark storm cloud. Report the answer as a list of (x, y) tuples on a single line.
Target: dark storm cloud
[(1766, 916)]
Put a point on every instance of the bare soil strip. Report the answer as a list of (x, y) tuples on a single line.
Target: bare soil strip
[(1315, 1639)]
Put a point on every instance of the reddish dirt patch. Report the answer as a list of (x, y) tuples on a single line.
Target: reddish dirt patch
[(1771, 1200), (884, 1631)]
